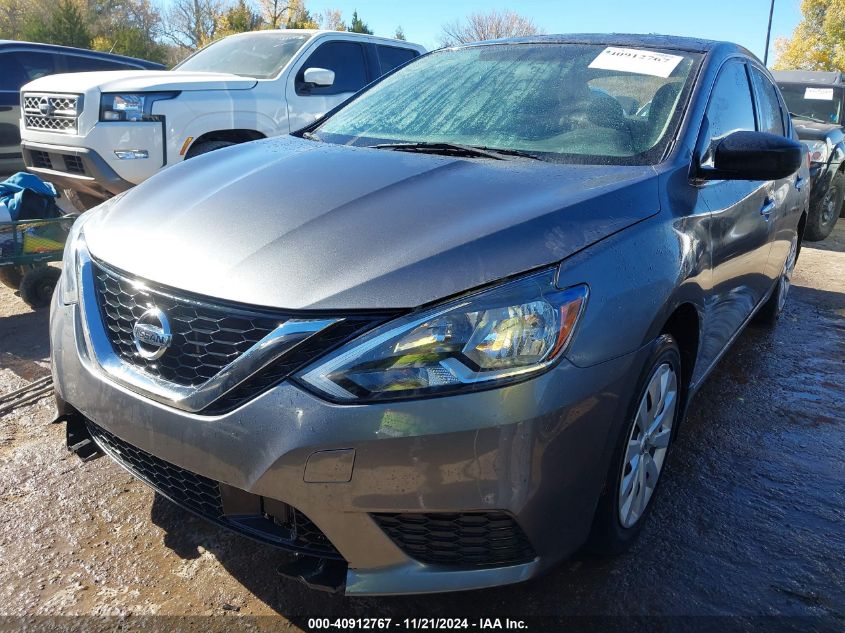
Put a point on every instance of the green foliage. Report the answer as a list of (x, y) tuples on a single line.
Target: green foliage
[(358, 25), (817, 42), (131, 41), (65, 24), (240, 18)]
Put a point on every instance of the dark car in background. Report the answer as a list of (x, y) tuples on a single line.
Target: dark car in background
[(21, 62), (459, 331), (815, 100)]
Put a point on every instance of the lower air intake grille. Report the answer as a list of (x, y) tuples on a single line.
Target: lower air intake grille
[(201, 495), (41, 159), (471, 539), (74, 164)]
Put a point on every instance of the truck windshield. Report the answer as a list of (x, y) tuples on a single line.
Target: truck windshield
[(259, 55), (575, 103), (813, 102)]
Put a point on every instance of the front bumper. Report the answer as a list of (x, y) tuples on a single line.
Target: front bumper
[(537, 451)]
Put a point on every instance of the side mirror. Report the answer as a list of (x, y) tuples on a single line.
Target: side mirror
[(753, 156), (318, 77)]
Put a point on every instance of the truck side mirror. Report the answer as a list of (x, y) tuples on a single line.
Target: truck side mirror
[(318, 77)]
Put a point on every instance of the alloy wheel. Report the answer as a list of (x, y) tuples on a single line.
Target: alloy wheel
[(829, 210), (647, 444)]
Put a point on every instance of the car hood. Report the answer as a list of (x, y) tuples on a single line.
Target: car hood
[(138, 81), (298, 224)]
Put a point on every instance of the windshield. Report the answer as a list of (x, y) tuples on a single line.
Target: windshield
[(259, 55), (818, 103), (560, 102)]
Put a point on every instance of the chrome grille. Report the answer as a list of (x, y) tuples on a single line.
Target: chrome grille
[(55, 113), (208, 335)]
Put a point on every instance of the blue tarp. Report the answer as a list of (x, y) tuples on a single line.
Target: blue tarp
[(13, 190)]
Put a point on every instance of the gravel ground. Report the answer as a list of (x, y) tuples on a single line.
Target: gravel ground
[(750, 520)]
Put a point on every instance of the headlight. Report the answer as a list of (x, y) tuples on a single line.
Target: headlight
[(496, 336), (818, 151), (131, 106), (69, 282)]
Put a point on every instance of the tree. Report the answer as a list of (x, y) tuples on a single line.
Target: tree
[(400, 33), (299, 17), (332, 20), (487, 26), (66, 25), (239, 18), (128, 27), (192, 24), (272, 11), (358, 25), (818, 42)]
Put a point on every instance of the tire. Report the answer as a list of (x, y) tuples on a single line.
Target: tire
[(823, 218), (38, 284), (611, 533), (207, 146), (11, 276), (768, 315)]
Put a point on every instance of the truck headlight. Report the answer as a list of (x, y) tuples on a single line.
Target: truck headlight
[(500, 335), (131, 106), (819, 151)]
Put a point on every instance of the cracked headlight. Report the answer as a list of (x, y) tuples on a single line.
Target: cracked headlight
[(499, 335)]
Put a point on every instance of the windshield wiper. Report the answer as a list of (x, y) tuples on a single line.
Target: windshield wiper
[(807, 117), (310, 136), (455, 149)]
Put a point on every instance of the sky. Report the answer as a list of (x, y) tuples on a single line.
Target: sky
[(740, 21)]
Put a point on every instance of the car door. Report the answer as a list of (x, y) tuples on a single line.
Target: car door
[(19, 66), (348, 61), (786, 193), (741, 213)]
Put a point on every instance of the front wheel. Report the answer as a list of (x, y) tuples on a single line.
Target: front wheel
[(823, 218), (641, 451), (770, 311)]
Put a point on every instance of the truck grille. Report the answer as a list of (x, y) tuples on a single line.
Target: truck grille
[(201, 496), (469, 539), (51, 112), (207, 336)]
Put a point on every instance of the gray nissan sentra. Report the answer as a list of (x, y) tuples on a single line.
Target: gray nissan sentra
[(444, 336)]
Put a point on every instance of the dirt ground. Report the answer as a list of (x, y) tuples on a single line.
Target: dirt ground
[(750, 520)]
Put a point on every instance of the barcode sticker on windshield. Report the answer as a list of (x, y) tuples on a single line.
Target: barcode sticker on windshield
[(631, 60), (819, 94)]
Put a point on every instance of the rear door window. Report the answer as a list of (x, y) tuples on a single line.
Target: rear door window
[(390, 57), (348, 62), (769, 110), (30, 65)]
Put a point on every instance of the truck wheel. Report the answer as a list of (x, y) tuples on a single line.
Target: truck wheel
[(38, 284), (823, 218), (205, 147), (11, 276)]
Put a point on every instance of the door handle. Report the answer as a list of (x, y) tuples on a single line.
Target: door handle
[(768, 207), (800, 182)]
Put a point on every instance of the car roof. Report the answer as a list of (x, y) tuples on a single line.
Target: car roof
[(674, 42), (316, 32), (67, 50), (828, 78)]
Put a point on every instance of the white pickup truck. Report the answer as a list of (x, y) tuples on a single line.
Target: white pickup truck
[(99, 133)]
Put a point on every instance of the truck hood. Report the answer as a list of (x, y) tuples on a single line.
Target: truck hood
[(297, 224), (138, 81), (812, 131)]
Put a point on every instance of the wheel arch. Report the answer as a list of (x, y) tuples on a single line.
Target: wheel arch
[(239, 135), (684, 325)]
